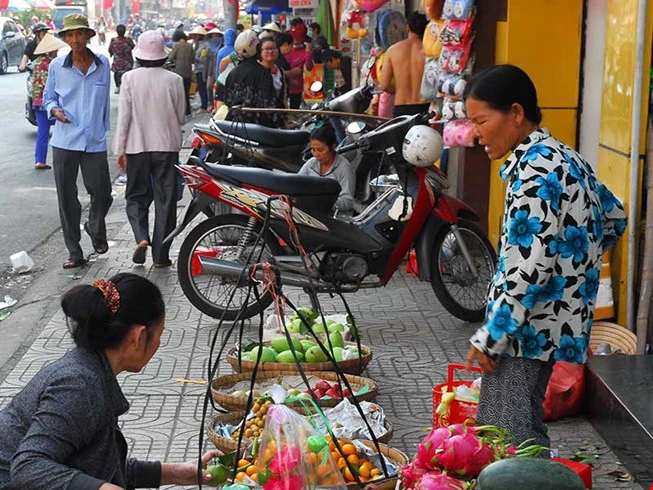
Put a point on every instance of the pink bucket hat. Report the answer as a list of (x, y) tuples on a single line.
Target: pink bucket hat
[(150, 47)]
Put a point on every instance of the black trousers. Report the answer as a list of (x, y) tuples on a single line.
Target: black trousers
[(295, 100), (95, 173), (187, 82), (151, 176)]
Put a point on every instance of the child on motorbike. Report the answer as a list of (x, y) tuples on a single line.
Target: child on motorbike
[(327, 163)]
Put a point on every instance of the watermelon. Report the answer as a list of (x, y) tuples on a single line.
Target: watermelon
[(527, 474)]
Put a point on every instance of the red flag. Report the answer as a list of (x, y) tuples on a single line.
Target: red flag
[(136, 6)]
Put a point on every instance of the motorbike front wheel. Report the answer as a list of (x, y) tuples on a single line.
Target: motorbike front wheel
[(462, 293), (220, 237)]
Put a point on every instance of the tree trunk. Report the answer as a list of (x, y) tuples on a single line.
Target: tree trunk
[(646, 286), (230, 13)]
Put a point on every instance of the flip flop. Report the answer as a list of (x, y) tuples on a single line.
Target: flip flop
[(100, 246), (140, 254), (73, 263)]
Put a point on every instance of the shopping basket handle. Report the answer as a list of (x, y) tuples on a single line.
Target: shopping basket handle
[(453, 367)]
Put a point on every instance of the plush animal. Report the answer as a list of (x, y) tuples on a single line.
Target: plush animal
[(355, 24), (457, 9)]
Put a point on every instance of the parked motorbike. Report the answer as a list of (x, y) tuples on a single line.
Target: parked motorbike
[(452, 253), (29, 110)]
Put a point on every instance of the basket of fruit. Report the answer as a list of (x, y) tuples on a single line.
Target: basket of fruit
[(281, 358), (254, 427), (321, 326), (231, 391), (362, 456)]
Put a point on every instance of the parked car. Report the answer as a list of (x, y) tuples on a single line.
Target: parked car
[(12, 44)]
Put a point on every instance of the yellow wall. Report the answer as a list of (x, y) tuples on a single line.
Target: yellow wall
[(616, 113), (552, 59)]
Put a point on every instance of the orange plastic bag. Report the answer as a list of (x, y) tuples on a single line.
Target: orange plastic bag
[(566, 390)]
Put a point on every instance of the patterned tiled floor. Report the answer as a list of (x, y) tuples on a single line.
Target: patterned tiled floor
[(412, 337)]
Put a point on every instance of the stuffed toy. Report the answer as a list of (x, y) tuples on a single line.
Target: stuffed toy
[(456, 33), (457, 9), (451, 85), (429, 88), (433, 9), (458, 133), (355, 20), (431, 43)]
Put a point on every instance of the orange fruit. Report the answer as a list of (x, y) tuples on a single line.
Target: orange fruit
[(336, 455), (354, 459), (365, 469), (242, 463), (254, 476), (348, 449), (240, 476), (341, 463), (251, 469), (375, 472), (348, 476)]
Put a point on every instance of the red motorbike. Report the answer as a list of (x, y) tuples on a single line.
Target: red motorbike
[(348, 255)]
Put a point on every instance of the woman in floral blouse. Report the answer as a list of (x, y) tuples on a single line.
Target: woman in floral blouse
[(120, 49), (45, 52), (558, 221)]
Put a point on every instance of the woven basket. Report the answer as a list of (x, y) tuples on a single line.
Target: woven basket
[(227, 444), (232, 403), (399, 458), (350, 366), (617, 336)]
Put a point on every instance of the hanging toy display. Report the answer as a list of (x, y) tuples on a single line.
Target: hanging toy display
[(457, 9), (355, 20), (391, 28), (369, 6), (431, 41)]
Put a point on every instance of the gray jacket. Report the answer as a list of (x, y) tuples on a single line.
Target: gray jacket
[(341, 172), (61, 431)]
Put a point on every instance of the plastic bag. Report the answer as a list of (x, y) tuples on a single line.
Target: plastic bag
[(293, 455), (566, 390), (429, 88)]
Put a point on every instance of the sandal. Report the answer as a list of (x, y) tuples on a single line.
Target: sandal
[(140, 253), (100, 246), (73, 263), (162, 265)]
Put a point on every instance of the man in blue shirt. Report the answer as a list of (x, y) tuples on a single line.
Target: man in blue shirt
[(77, 96)]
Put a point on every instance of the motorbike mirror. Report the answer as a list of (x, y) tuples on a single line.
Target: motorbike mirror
[(316, 87), (355, 127)]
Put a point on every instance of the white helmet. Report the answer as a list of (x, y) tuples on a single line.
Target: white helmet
[(422, 146)]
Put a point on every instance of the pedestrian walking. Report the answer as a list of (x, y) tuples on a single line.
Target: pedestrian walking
[(38, 31), (148, 139), (49, 23), (120, 48), (228, 48), (45, 52), (559, 219), (61, 430), (215, 39), (299, 58), (200, 48), (250, 85), (182, 57), (77, 95)]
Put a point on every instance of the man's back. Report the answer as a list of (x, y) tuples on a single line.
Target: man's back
[(407, 61)]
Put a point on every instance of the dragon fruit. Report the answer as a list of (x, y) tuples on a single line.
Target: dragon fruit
[(426, 450), (412, 473), (440, 481), (466, 455)]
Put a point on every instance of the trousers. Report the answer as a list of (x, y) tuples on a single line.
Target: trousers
[(512, 397), (201, 89), (151, 176), (43, 124), (95, 174)]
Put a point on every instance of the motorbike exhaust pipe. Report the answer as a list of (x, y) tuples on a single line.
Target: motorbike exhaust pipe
[(211, 265)]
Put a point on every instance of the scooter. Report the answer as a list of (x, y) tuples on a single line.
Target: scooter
[(345, 256)]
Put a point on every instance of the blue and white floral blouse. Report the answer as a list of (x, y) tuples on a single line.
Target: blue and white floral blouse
[(558, 221)]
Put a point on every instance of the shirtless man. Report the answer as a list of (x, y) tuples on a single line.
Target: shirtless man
[(405, 62)]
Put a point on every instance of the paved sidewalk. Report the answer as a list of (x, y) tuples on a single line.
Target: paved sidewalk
[(412, 337)]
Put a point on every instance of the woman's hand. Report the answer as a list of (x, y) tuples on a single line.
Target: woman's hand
[(488, 365), (186, 473), (122, 163)]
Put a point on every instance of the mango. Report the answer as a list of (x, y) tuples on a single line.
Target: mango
[(335, 327), (336, 340), (295, 326), (315, 354), (287, 356), (268, 354), (280, 344), (337, 353), (319, 327), (307, 344)]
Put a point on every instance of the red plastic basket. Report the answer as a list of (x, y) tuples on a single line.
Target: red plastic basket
[(459, 411)]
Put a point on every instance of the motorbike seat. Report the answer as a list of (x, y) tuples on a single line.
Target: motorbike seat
[(277, 138), (281, 182)]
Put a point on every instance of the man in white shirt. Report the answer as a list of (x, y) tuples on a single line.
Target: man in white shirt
[(151, 112)]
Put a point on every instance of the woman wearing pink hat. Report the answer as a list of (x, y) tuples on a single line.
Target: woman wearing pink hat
[(148, 139)]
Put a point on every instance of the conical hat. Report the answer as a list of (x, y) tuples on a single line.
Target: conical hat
[(199, 30), (49, 43)]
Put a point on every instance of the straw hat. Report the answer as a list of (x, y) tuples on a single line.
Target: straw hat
[(49, 43), (199, 30), (272, 26), (74, 22), (150, 47), (215, 30)]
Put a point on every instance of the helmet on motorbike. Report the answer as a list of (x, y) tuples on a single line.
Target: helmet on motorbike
[(422, 146), (40, 27)]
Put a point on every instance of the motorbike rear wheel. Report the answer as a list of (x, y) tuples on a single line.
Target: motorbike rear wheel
[(462, 293), (219, 237)]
